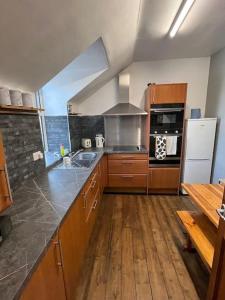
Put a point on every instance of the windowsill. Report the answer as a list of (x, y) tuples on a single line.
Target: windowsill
[(50, 159)]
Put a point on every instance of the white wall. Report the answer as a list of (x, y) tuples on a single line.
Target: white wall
[(73, 78), (100, 101), (194, 71), (216, 108)]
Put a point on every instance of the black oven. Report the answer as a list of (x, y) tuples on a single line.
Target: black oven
[(166, 120), (166, 117), (170, 159)]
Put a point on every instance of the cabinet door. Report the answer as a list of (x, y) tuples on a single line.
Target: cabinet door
[(128, 166), (164, 178), (5, 195), (47, 281), (94, 212), (104, 171), (168, 93), (72, 236), (128, 180)]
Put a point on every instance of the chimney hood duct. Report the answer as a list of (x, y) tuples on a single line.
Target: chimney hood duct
[(124, 108)]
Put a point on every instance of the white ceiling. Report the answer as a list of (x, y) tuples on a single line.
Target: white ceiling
[(39, 38), (201, 34)]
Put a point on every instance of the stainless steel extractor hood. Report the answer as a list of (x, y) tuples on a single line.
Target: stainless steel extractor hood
[(124, 108)]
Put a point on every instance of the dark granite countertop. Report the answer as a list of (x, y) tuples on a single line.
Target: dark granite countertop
[(39, 208), (120, 149)]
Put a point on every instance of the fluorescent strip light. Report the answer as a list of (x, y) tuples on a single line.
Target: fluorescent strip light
[(180, 17)]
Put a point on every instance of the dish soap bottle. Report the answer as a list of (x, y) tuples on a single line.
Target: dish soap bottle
[(62, 150)]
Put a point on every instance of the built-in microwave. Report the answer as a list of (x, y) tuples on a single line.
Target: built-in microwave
[(166, 117)]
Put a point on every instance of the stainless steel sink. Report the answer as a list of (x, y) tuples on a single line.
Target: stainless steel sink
[(82, 163), (81, 160), (85, 156), (84, 159)]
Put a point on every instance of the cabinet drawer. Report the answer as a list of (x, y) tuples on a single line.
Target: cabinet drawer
[(164, 178), (143, 156), (89, 193), (128, 166), (93, 208), (127, 180)]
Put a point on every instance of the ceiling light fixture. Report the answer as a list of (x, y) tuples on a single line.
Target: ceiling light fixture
[(182, 13)]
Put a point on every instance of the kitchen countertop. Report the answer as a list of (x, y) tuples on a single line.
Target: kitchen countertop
[(39, 207)]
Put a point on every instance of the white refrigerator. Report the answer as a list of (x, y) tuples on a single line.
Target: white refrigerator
[(198, 150)]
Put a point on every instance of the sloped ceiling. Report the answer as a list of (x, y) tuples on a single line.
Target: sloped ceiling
[(39, 38)]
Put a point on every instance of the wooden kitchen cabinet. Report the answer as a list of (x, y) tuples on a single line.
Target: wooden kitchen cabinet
[(123, 156), (5, 194), (57, 274), (128, 170), (47, 281), (75, 232), (73, 241), (128, 180), (128, 166), (167, 93), (167, 179), (104, 172)]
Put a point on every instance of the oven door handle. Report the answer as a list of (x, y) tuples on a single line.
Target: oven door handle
[(166, 134), (167, 109)]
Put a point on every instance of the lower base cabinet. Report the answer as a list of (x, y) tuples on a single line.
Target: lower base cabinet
[(128, 171), (56, 277), (47, 281), (72, 239), (164, 179)]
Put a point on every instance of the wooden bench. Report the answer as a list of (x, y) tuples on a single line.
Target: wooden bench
[(202, 234)]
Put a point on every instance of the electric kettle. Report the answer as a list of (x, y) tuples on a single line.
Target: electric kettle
[(99, 139)]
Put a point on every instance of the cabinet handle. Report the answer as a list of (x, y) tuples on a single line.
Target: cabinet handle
[(94, 175), (85, 202), (93, 184), (127, 162), (150, 173), (94, 205), (127, 157), (84, 194), (58, 253), (127, 176), (5, 188)]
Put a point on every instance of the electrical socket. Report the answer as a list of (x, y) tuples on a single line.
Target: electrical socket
[(37, 155), (40, 155)]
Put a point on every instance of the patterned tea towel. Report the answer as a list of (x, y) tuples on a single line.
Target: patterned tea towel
[(160, 147)]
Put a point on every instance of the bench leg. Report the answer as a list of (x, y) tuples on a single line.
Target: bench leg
[(188, 246)]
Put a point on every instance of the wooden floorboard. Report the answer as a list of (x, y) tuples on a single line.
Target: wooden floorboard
[(136, 252), (172, 283)]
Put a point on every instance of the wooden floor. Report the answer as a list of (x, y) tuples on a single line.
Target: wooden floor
[(136, 252)]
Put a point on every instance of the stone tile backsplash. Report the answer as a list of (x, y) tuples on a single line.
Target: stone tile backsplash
[(75, 132), (21, 137), (84, 127)]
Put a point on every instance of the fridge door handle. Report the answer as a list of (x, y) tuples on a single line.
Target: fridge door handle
[(197, 159)]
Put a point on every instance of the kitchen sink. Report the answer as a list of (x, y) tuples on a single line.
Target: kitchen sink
[(85, 156), (82, 163), (81, 160)]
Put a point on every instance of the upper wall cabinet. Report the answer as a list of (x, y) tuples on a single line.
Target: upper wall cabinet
[(167, 93), (5, 195)]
